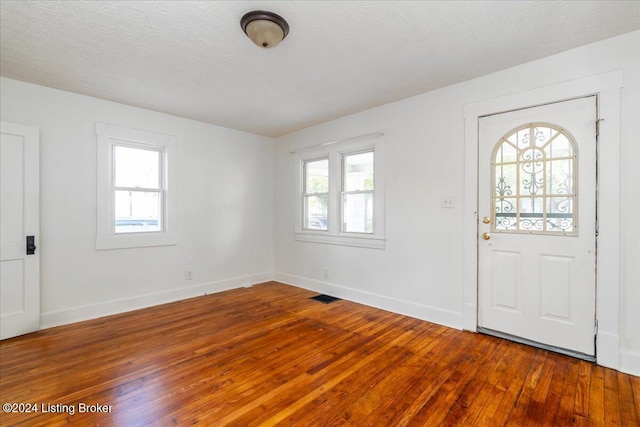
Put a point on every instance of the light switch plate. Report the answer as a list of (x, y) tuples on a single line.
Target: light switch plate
[(448, 202)]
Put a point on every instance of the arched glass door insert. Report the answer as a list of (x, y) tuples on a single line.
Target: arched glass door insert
[(534, 172)]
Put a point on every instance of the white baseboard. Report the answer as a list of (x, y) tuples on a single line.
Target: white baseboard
[(630, 362), (408, 308), (470, 315), (92, 311), (608, 353), (608, 344)]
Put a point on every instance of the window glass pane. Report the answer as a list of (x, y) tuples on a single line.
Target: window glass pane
[(506, 153), (560, 177), (315, 212), (358, 213), (521, 138), (543, 135), (505, 222), (317, 176), (505, 213), (534, 179), (136, 167), (531, 218), (137, 211), (560, 214), (559, 147), (358, 171), (531, 178), (505, 179), (506, 205)]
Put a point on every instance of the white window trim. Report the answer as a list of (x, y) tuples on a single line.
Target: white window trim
[(107, 137), (334, 151)]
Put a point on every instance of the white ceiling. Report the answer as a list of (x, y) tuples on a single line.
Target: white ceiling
[(191, 58)]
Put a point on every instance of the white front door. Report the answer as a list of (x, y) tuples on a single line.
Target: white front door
[(19, 218), (537, 228)]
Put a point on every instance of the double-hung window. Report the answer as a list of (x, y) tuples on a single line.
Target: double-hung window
[(358, 192), (138, 190), (135, 205), (340, 199), (316, 193)]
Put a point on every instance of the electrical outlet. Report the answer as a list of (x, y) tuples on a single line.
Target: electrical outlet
[(188, 275), (326, 272)]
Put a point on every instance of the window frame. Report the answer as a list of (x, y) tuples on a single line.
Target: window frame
[(344, 192), (306, 195), (545, 197), (336, 152), (160, 186), (109, 137)]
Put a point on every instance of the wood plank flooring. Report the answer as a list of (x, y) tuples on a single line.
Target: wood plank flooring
[(268, 355)]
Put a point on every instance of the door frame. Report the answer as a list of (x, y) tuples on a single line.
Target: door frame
[(31, 218), (607, 87)]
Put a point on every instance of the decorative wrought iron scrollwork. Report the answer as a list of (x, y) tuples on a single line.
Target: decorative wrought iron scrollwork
[(565, 224), (563, 187), (531, 224), (502, 189), (533, 185), (539, 135), (505, 223), (538, 172), (564, 205)]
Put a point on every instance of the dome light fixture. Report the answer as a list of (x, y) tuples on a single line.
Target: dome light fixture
[(265, 29)]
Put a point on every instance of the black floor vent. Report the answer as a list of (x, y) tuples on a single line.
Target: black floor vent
[(325, 298)]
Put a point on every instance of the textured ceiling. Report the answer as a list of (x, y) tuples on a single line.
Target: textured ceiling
[(191, 59)]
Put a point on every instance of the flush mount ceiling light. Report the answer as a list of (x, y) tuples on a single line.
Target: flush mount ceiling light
[(266, 29)]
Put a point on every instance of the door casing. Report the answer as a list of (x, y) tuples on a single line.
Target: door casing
[(607, 87)]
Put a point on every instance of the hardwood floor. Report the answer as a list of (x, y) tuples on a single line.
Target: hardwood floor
[(268, 355)]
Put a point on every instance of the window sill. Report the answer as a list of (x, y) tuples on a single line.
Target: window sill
[(329, 239), (142, 240)]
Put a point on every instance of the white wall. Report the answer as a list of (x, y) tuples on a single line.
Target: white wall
[(235, 198), (420, 271), (225, 208)]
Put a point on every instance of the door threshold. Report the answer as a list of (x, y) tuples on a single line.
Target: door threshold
[(520, 340)]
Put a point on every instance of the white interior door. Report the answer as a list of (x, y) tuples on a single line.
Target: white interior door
[(19, 218), (537, 228)]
